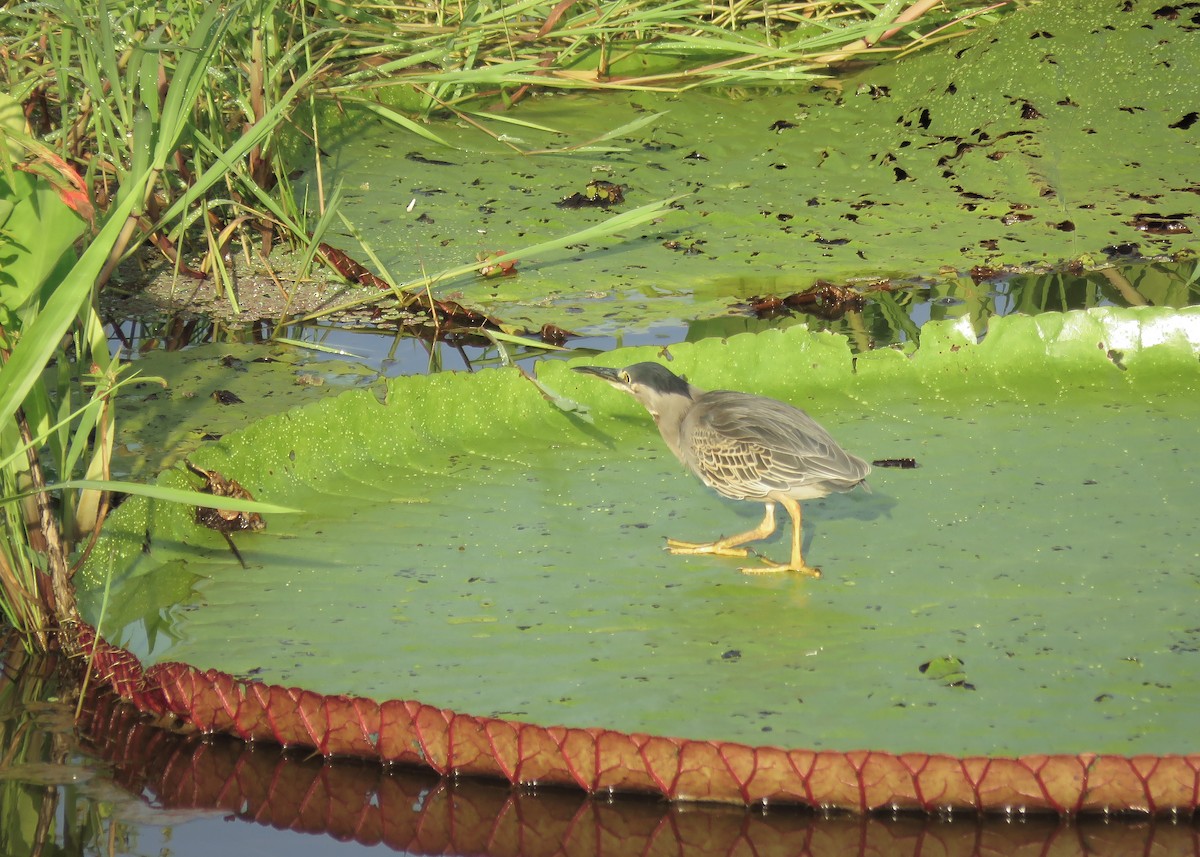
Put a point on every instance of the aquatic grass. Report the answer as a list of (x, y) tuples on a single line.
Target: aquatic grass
[(57, 376), (458, 54)]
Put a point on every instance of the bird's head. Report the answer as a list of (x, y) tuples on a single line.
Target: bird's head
[(654, 386)]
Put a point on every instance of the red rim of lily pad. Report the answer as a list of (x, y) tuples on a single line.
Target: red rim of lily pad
[(602, 761)]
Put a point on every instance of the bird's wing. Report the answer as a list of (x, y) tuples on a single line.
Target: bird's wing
[(747, 447)]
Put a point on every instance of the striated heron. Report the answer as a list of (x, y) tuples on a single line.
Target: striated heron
[(746, 447)]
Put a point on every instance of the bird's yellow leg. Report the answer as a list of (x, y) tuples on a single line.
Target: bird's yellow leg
[(797, 564), (728, 546)]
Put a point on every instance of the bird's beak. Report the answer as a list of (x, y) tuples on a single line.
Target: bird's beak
[(612, 376)]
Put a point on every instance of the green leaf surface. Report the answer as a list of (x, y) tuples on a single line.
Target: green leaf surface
[(471, 545), (160, 426)]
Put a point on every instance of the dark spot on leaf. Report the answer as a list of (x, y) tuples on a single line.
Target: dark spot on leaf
[(597, 194), (731, 655), (433, 162), (874, 91), (1065, 226), (1160, 224), (692, 249), (1028, 111), (901, 175), (782, 125), (1186, 122), (902, 463), (694, 156)]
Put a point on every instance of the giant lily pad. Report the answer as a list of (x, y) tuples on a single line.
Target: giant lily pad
[(472, 545), (412, 812), (1064, 130)]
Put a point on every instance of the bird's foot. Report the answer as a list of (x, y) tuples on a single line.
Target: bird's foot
[(770, 567), (710, 548)]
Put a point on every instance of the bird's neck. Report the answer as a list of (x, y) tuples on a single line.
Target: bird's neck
[(671, 420), (668, 427)]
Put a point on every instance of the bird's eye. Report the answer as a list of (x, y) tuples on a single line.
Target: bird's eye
[(624, 376)]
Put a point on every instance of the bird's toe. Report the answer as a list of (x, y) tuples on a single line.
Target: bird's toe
[(781, 568), (676, 546)]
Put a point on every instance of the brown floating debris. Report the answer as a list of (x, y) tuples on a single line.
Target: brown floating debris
[(224, 520), (490, 269), (454, 312), (824, 300), (224, 397), (692, 249), (554, 335), (350, 269), (982, 272)]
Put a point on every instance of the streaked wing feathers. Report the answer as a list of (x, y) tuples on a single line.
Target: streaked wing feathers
[(747, 447)]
